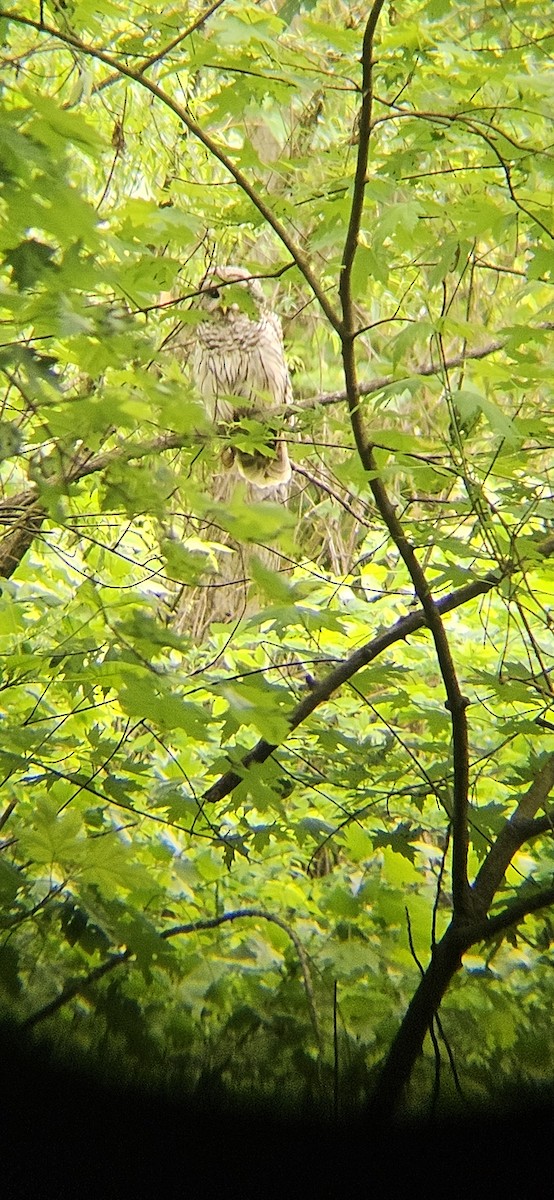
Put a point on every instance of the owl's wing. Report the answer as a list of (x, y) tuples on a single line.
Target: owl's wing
[(274, 372)]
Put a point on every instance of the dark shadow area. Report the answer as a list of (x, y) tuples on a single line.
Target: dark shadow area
[(68, 1133)]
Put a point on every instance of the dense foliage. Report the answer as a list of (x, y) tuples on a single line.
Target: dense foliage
[(253, 856)]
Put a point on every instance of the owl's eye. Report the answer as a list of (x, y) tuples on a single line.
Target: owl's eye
[(214, 293)]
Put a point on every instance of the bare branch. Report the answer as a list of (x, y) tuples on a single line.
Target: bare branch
[(181, 37), (266, 916), (455, 702), (360, 178), (74, 987), (336, 678), (523, 906), (425, 369), (515, 832)]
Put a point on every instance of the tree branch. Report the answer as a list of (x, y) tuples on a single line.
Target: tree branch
[(487, 136), (446, 960), (447, 955), (515, 912), (75, 986), (425, 369), (265, 916), (406, 1047), (517, 830), (181, 37), (336, 678), (30, 513), (456, 702), (22, 533), (360, 177)]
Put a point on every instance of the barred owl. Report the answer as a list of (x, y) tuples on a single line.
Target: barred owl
[(240, 370)]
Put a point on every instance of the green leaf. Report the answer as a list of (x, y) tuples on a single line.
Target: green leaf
[(55, 838), (342, 903), (469, 402), (11, 881), (28, 261), (149, 702), (54, 127)]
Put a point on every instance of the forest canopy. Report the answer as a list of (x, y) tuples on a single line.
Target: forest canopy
[(275, 773)]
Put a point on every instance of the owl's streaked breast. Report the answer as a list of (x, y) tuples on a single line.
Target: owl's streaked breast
[(240, 369), (235, 356)]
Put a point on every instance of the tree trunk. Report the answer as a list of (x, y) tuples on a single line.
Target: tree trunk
[(446, 960)]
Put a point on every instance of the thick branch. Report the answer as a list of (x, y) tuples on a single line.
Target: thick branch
[(21, 535), (360, 177), (456, 702), (514, 913), (29, 513), (406, 1048), (334, 680), (461, 934), (446, 960), (516, 831)]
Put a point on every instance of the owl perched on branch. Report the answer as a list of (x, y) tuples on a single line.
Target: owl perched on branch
[(239, 367)]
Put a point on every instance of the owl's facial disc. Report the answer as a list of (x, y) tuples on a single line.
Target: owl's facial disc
[(229, 293), (216, 295)]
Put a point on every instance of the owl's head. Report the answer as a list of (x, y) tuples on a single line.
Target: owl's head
[(231, 290)]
